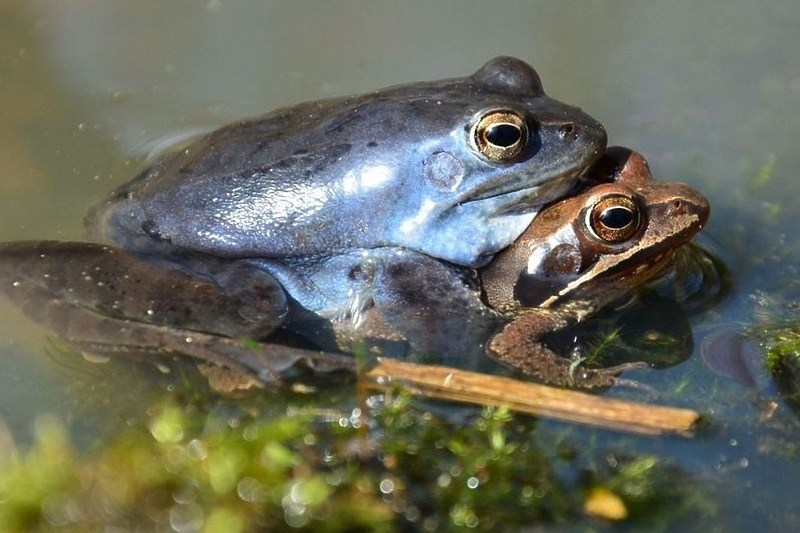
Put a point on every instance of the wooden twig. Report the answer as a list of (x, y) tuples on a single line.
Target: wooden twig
[(540, 400)]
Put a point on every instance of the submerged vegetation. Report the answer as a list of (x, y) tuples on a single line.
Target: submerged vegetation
[(391, 464), (781, 347)]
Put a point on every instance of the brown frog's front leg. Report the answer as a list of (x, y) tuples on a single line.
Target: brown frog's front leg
[(518, 345), (582, 253)]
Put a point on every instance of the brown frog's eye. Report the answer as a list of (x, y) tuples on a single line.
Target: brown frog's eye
[(614, 219), (499, 136)]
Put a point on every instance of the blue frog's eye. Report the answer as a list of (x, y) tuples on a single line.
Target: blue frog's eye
[(614, 218), (503, 135), (499, 135)]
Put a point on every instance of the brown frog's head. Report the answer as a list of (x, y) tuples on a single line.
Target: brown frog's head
[(616, 234)]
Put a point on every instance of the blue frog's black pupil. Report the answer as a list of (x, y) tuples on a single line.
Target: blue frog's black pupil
[(616, 217), (504, 135)]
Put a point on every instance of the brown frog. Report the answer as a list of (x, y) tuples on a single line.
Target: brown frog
[(580, 254)]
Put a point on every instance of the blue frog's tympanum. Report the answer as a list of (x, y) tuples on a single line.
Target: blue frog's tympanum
[(613, 234), (454, 169)]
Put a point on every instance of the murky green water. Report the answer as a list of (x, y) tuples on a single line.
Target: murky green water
[(710, 94)]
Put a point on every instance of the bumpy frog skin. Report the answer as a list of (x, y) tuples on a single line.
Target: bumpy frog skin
[(580, 254), (574, 257), (454, 169), (304, 219)]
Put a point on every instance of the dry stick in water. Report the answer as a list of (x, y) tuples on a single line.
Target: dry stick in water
[(446, 383)]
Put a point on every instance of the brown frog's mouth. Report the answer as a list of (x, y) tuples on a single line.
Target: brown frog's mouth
[(679, 220)]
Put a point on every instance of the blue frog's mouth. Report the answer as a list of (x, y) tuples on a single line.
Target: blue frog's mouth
[(512, 199)]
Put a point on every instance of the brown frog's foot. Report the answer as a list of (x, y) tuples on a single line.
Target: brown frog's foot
[(562, 372), (589, 378), (284, 363), (517, 346), (637, 386)]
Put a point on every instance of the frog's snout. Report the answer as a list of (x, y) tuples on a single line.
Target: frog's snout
[(689, 202)]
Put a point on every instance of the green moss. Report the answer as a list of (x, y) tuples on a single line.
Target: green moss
[(175, 472), (485, 473), (782, 347), (314, 468), (655, 493), (599, 348)]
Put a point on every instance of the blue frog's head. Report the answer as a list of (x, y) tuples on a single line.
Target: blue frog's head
[(455, 169)]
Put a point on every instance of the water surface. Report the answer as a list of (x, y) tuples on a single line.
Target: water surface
[(709, 93)]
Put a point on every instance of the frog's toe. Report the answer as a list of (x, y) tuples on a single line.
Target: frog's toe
[(591, 378), (622, 367)]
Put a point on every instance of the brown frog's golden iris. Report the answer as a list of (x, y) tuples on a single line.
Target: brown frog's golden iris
[(499, 136), (614, 219)]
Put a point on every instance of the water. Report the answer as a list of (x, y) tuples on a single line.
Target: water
[(709, 93)]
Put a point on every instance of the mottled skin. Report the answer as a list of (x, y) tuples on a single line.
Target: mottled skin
[(398, 167), (572, 260), (307, 192), (304, 218), (392, 301)]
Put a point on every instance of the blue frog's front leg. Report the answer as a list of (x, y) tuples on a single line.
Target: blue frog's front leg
[(106, 301), (390, 302)]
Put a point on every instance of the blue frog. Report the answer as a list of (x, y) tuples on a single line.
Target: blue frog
[(322, 224)]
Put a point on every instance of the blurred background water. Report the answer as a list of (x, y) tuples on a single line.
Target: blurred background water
[(709, 92)]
